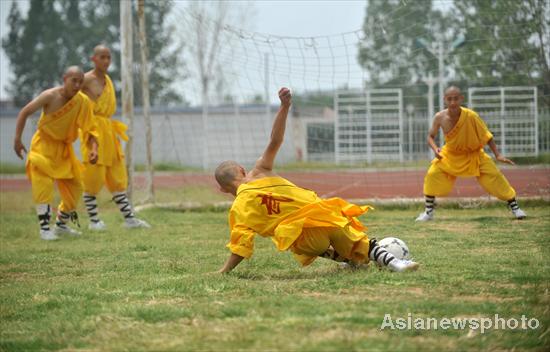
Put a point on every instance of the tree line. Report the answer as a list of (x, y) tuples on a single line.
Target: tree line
[(55, 34), (506, 43)]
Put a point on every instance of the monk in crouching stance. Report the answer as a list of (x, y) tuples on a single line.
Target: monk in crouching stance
[(462, 156), (51, 159)]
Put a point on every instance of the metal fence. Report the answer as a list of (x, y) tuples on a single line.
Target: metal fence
[(371, 125), (179, 137), (368, 125), (511, 114), (517, 132), (242, 134)]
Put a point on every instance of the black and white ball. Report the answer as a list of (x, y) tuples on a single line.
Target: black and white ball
[(395, 246)]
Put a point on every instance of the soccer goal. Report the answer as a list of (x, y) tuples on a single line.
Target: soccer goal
[(368, 125), (511, 114)]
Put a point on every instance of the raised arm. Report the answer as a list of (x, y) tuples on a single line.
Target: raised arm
[(265, 162), (432, 134), (39, 102)]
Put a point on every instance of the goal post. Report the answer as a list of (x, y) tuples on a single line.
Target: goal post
[(511, 113), (368, 125)]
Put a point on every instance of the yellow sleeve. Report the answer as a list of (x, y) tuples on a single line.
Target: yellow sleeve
[(482, 131), (86, 121), (241, 241)]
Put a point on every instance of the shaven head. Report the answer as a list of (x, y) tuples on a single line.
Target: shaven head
[(101, 58), (452, 89), (72, 80), (453, 99), (73, 70), (100, 49), (226, 173)]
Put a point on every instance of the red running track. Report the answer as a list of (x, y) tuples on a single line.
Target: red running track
[(384, 184)]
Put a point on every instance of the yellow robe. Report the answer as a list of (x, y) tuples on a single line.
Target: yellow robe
[(51, 150), (110, 150), (463, 156), (464, 144), (274, 207)]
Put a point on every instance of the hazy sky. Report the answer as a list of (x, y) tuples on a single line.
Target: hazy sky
[(285, 18)]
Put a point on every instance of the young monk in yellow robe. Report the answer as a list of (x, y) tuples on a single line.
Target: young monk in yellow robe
[(296, 219), (110, 169), (51, 158), (462, 156)]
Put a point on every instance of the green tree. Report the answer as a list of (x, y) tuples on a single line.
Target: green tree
[(389, 51), (59, 33), (12, 46), (165, 60), (29, 45), (507, 43)]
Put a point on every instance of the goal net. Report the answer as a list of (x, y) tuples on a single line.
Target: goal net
[(345, 136)]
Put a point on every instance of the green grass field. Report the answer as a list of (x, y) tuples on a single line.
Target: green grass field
[(156, 289)]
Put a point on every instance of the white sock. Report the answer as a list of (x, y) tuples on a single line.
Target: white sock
[(63, 217), (513, 204), (430, 204), (90, 201), (123, 203), (379, 254), (44, 215)]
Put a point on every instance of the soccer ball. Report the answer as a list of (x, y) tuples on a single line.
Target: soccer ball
[(396, 247)]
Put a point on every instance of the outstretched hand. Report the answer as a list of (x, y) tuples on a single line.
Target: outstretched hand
[(285, 96), (503, 159)]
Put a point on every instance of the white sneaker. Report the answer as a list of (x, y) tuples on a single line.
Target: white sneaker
[(519, 214), (133, 223), (425, 216), (401, 265), (66, 230), (97, 226), (48, 235)]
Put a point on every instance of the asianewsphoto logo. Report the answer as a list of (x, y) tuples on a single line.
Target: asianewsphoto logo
[(473, 323)]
